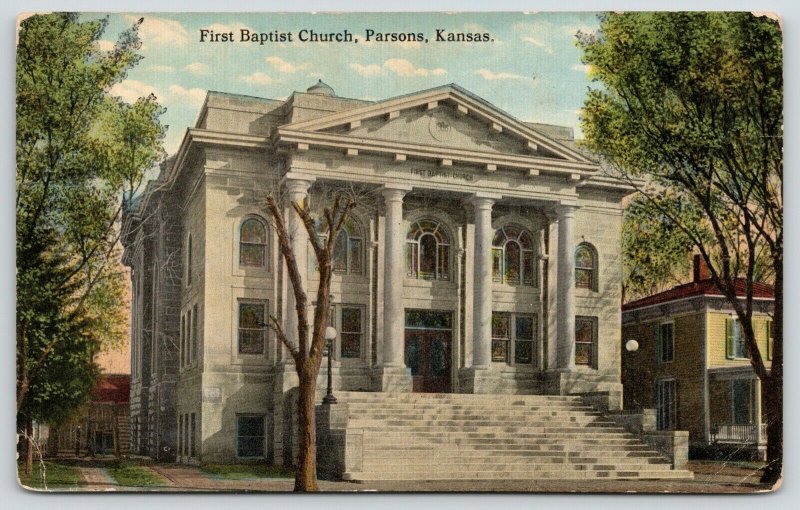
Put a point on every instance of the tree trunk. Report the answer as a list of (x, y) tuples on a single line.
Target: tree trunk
[(305, 479), (772, 392), (28, 445)]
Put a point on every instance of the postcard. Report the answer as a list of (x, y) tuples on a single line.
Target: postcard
[(400, 252)]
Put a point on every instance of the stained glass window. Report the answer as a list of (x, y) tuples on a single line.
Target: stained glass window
[(251, 328), (501, 336), (253, 243), (347, 250), (523, 342), (584, 267), (513, 257), (351, 332), (428, 251), (585, 340)]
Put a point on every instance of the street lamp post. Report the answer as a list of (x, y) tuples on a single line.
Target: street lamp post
[(330, 336)]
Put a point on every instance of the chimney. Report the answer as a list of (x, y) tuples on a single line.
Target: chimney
[(700, 268)]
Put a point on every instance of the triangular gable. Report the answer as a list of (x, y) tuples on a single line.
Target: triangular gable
[(463, 101)]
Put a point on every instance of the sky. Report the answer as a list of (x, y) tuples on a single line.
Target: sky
[(531, 68)]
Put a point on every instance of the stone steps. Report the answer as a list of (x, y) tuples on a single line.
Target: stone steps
[(492, 437)]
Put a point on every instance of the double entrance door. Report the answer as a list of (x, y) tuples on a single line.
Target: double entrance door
[(428, 350)]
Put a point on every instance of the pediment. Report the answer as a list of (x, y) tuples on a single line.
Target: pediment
[(447, 116), (442, 126)]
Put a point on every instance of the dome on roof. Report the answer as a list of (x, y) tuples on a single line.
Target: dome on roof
[(321, 88)]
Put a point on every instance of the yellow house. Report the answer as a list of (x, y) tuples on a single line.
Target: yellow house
[(692, 365)]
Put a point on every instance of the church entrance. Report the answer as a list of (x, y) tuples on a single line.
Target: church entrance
[(428, 349)]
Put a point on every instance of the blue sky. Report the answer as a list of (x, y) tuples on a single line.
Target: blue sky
[(532, 69)]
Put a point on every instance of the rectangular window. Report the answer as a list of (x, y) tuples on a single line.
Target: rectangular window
[(497, 261), (501, 336), (180, 434), (193, 435), (525, 329), (249, 436), (586, 341), (735, 342), (252, 328), (193, 348), (352, 332), (182, 340), (665, 342), (186, 340), (666, 417)]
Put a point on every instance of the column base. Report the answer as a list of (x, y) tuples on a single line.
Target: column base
[(487, 380), (603, 392), (394, 379)]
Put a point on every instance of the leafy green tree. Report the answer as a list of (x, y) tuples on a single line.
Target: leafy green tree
[(692, 103), (81, 154)]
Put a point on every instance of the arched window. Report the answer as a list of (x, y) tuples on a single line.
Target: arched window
[(585, 266), (514, 257), (253, 243), (428, 251), (348, 249)]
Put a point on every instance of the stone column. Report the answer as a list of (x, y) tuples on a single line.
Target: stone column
[(296, 191), (482, 294), (566, 287), (395, 376)]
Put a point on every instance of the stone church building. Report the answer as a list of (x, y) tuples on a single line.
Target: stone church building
[(483, 257)]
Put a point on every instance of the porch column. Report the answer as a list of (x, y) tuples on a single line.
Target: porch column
[(393, 311), (566, 287), (757, 396), (482, 294), (296, 191)]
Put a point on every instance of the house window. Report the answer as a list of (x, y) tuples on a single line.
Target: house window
[(585, 267), (513, 257), (666, 416), (348, 250), (586, 341), (742, 401), (665, 342), (250, 436), (513, 337), (253, 243), (770, 339), (428, 251), (252, 328), (735, 342)]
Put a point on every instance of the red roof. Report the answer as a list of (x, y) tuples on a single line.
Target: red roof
[(115, 388), (700, 288)]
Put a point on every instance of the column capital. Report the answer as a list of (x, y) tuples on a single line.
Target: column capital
[(483, 200), (563, 210), (297, 182), (394, 191)]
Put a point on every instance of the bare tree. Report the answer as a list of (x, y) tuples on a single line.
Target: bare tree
[(308, 357)]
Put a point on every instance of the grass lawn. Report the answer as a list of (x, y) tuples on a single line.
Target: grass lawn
[(131, 475), (242, 471), (58, 476)]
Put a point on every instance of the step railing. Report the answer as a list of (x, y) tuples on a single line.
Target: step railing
[(737, 433)]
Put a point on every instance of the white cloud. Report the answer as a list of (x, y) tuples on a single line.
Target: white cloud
[(491, 75), (405, 68), (282, 66), (197, 68), (161, 31), (131, 90), (367, 70), (220, 28), (104, 45), (158, 68), (194, 97), (257, 78), (581, 68)]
